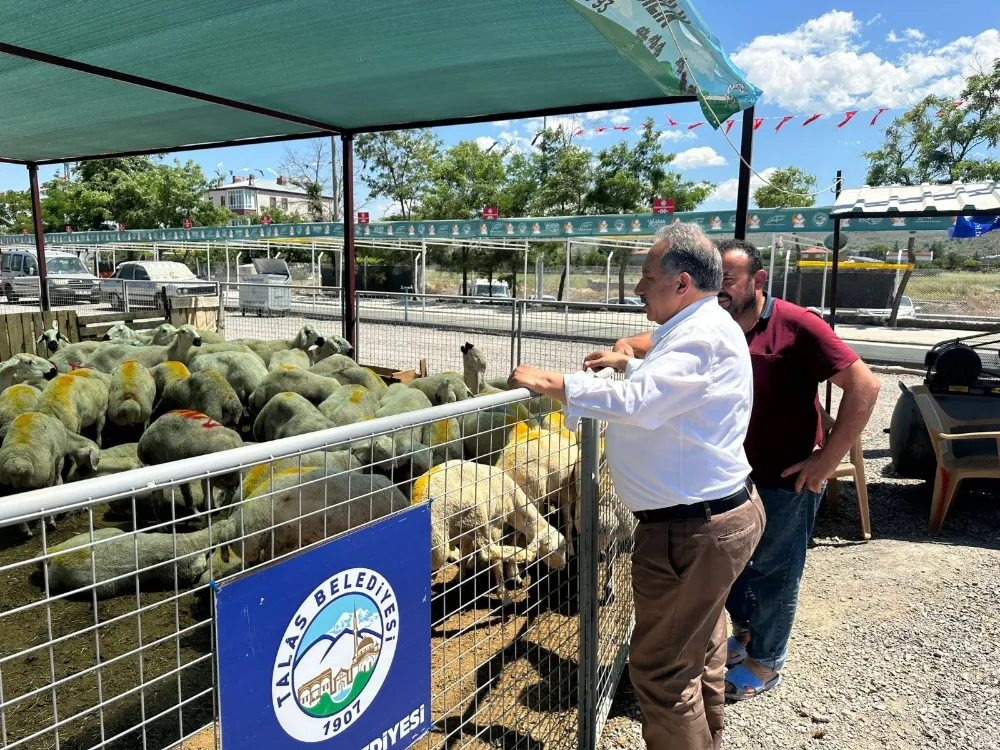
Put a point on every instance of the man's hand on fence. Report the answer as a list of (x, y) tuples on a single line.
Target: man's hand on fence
[(538, 381), (600, 359)]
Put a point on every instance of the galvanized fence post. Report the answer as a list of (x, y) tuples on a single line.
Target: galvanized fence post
[(514, 335), (520, 326), (588, 551), (220, 323)]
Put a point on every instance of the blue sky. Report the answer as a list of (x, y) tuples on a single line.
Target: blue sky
[(807, 56)]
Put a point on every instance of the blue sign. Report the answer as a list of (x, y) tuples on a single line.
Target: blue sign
[(331, 648)]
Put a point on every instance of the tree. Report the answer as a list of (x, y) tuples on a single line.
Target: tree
[(15, 211), (314, 163), (564, 174), (787, 188), (278, 216), (462, 181), (397, 165), (628, 177), (521, 185), (922, 146)]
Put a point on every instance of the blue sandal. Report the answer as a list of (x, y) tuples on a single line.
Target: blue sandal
[(742, 678), (735, 646)]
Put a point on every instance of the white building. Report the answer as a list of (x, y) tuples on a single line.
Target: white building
[(249, 195)]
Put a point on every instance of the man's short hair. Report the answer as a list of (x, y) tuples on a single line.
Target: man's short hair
[(752, 252), (690, 251)]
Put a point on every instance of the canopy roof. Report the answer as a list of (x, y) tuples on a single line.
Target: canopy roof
[(104, 77), (955, 199)]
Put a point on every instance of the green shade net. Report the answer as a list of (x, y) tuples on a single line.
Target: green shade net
[(357, 64)]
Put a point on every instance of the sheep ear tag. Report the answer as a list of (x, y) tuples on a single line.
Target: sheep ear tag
[(329, 646)]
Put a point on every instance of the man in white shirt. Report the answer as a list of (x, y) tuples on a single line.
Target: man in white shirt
[(676, 427)]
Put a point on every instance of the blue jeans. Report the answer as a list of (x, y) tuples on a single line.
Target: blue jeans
[(763, 599)]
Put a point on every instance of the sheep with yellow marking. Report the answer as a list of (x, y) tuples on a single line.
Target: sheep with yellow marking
[(256, 480), (205, 391), (131, 395), (34, 452), (349, 404), (168, 372), (79, 400), (315, 388), (16, 400), (289, 358), (347, 371), (471, 504), (288, 414), (443, 388)]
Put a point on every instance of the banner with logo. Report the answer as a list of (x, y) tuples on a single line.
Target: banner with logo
[(331, 647), (759, 221)]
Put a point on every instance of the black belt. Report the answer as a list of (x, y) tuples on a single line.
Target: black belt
[(702, 509)]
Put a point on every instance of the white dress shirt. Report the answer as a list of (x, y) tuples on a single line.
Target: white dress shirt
[(676, 424)]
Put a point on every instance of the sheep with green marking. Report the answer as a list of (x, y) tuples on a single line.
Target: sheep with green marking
[(331, 345), (347, 371), (443, 388), (168, 372)]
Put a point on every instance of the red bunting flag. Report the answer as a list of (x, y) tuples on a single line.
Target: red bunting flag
[(729, 126), (849, 114), (784, 119), (758, 122), (671, 120), (878, 114), (812, 119), (958, 104), (694, 125), (621, 127), (599, 130), (579, 132)]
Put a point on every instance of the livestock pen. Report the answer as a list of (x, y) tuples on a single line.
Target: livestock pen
[(106, 627)]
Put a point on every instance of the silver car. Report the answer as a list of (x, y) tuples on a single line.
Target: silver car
[(146, 283), (69, 280)]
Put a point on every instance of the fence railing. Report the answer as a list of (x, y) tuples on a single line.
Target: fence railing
[(106, 623)]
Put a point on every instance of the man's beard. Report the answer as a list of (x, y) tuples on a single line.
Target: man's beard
[(739, 305)]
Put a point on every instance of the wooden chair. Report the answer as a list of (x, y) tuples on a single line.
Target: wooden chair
[(853, 467), (951, 469)]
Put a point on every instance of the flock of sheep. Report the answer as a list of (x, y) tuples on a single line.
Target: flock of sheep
[(494, 476)]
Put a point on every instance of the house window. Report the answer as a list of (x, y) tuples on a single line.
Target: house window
[(243, 200), (274, 202), (284, 204), (222, 200)]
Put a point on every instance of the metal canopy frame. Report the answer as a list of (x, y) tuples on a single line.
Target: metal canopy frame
[(322, 129)]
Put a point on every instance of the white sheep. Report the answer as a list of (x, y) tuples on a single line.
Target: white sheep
[(288, 414), (17, 400), (186, 434), (331, 345), (316, 388), (34, 452), (474, 372), (307, 337), (302, 508), (164, 333), (168, 372), (131, 395), (242, 370), (26, 368), (164, 560), (204, 391), (52, 340), (289, 358), (470, 503), (443, 388), (106, 358), (79, 400), (120, 332)]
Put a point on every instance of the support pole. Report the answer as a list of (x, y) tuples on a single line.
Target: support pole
[(770, 271), (350, 290), (588, 656), (833, 284), (607, 277), (746, 159), (36, 215)]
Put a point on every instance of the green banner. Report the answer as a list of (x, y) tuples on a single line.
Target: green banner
[(789, 220)]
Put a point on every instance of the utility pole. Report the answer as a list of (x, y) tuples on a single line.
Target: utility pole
[(335, 185)]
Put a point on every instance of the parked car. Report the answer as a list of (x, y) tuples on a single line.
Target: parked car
[(481, 288), (149, 281), (907, 311), (633, 301), (69, 280)]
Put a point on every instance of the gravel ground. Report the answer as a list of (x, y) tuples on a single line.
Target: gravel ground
[(891, 637)]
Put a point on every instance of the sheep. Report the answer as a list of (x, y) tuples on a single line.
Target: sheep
[(257, 479), (16, 400), (471, 502), (228, 346), (162, 335), (74, 355), (53, 340), (204, 391), (349, 404), (330, 346), (168, 372), (115, 556), (289, 358), (444, 438), (346, 370), (298, 509), (474, 372), (26, 368), (544, 465), (122, 457), (331, 364), (185, 434), (444, 388), (288, 414), (106, 358), (307, 337), (399, 398), (485, 433), (131, 395), (316, 388), (34, 453), (242, 370), (120, 332), (79, 400)]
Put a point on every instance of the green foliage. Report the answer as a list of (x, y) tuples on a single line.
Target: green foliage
[(15, 211), (921, 146), (787, 188), (563, 172), (398, 165), (462, 181), (278, 216)]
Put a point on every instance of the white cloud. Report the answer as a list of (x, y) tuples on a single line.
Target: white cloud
[(502, 123), (892, 37), (874, 19), (484, 142), (822, 66), (700, 156), (678, 135), (726, 191), (915, 34)]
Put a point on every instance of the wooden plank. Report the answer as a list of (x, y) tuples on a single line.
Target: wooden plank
[(68, 325), (5, 352), (15, 334), (38, 324), (49, 321), (27, 327), (120, 317)]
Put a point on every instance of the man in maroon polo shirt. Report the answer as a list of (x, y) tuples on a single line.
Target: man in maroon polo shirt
[(792, 351)]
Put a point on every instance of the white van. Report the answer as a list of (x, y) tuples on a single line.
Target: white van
[(481, 288), (69, 280)]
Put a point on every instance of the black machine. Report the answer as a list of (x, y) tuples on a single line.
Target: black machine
[(965, 365)]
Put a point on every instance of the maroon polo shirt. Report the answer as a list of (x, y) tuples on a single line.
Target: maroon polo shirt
[(792, 351)]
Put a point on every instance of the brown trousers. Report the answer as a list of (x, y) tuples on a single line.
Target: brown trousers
[(681, 575)]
